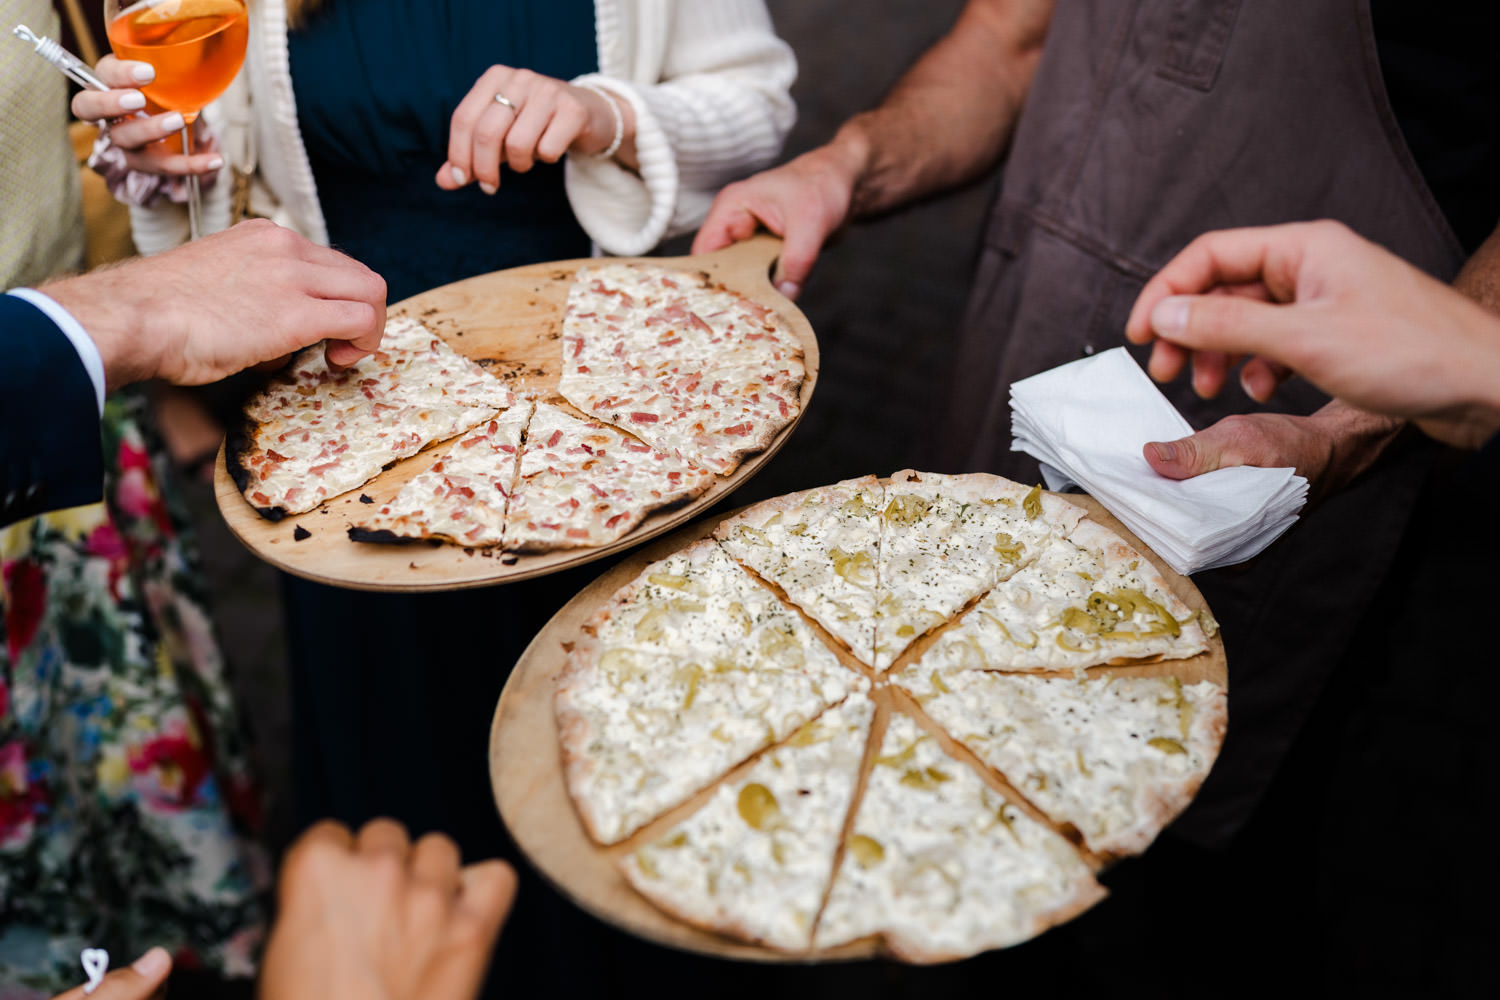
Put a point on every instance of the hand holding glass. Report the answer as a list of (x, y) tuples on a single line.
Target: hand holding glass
[(197, 48)]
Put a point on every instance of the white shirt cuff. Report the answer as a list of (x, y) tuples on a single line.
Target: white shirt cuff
[(88, 353)]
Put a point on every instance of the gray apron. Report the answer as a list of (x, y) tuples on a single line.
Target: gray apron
[(1148, 123)]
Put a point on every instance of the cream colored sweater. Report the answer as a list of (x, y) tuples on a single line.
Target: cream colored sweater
[(708, 79)]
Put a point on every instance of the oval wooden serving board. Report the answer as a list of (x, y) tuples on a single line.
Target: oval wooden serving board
[(511, 322), (526, 762)]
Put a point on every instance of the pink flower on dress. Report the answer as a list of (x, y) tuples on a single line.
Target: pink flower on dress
[(106, 543), (135, 492), (25, 602), (170, 769), (18, 797)]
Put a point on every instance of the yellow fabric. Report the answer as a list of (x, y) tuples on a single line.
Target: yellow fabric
[(41, 220)]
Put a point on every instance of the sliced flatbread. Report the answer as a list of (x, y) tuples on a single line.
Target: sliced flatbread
[(1118, 758), (945, 540), (822, 548), (461, 497), (941, 866), (1085, 600), (582, 483), (756, 860), (660, 696), (315, 433), (692, 368)]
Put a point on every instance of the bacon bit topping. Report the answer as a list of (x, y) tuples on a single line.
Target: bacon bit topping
[(674, 477), (460, 491), (578, 347), (578, 533), (614, 318), (643, 418), (260, 497), (318, 470), (697, 321), (474, 531), (597, 491), (636, 447), (509, 449), (556, 437), (669, 341), (616, 519), (291, 494), (367, 392), (494, 426), (471, 442), (583, 369), (271, 455), (457, 515), (738, 430)]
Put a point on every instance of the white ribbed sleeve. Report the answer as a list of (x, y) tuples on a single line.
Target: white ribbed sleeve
[(710, 84)]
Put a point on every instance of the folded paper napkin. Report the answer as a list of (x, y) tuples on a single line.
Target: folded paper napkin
[(1087, 422)]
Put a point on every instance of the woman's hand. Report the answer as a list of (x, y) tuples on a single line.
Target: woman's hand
[(145, 980), (140, 139), (540, 119)]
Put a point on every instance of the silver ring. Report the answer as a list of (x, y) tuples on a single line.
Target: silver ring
[(502, 99)]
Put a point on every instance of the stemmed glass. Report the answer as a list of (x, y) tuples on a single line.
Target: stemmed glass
[(197, 47)]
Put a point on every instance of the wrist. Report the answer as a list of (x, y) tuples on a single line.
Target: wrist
[(110, 316), (850, 155)]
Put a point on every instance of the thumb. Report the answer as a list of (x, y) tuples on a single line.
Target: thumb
[(139, 982), (1230, 323), (1186, 457)]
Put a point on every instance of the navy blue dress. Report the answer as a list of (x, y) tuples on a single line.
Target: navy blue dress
[(393, 694)]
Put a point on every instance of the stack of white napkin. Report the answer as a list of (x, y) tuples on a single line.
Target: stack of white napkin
[(1087, 422)]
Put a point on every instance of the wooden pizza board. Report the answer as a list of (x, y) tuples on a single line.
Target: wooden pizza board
[(527, 779), (510, 321)]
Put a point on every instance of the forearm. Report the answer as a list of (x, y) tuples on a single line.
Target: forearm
[(950, 117)]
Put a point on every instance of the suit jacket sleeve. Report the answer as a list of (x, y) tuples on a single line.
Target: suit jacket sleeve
[(50, 453)]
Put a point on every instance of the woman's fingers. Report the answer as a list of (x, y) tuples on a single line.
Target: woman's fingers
[(466, 119), (124, 79), (539, 119)]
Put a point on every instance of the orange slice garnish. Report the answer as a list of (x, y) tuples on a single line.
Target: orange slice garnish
[(183, 10)]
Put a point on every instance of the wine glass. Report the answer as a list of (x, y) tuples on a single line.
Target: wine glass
[(197, 47)]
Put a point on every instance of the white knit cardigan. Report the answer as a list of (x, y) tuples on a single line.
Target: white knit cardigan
[(708, 79)]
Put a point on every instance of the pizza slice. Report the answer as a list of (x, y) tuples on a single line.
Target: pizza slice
[(941, 866), (756, 860), (685, 673), (314, 433), (822, 548), (945, 540), (1085, 600), (582, 483), (1118, 758), (461, 497)]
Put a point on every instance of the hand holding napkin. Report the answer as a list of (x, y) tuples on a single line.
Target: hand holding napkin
[(1087, 422)]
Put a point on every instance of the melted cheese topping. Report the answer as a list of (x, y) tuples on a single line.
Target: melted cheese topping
[(461, 496), (822, 548), (582, 483), (940, 864), (670, 698), (319, 433), (758, 857), (1110, 756), (695, 370)]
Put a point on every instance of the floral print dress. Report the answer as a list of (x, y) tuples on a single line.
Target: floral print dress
[(127, 811)]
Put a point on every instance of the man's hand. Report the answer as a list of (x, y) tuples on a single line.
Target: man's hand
[(379, 918), (144, 980), (251, 294), (1352, 318), (805, 202)]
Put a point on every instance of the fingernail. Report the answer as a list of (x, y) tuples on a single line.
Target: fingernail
[(143, 72), (789, 288), (153, 963), (132, 100), (1163, 450), (1171, 315), (487, 187), (172, 122), (459, 177), (216, 163)]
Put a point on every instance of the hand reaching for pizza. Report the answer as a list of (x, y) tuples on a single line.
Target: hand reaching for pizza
[(1352, 318), (806, 202), (378, 916), (145, 979), (140, 139), (249, 295), (515, 117)]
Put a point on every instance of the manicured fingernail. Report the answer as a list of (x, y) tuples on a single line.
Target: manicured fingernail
[(143, 72), (172, 122), (153, 963), (132, 100), (1163, 450), (1170, 315), (789, 288), (487, 187), (216, 163), (459, 177)]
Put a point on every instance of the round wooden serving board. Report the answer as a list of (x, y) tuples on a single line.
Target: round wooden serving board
[(511, 322), (526, 762)]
